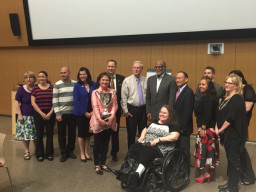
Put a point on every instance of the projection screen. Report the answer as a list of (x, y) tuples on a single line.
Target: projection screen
[(114, 21)]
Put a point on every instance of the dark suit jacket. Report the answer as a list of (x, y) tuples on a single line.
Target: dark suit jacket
[(119, 81), (165, 95), (183, 107)]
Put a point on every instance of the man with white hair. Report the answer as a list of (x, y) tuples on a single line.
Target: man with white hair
[(133, 102)]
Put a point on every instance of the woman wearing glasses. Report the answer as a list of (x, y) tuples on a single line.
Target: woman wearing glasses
[(231, 126)]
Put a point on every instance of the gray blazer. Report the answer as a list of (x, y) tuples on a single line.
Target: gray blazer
[(165, 95)]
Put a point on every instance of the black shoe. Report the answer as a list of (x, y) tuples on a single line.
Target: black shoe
[(72, 155), (63, 158), (98, 170), (230, 189), (89, 159), (84, 160), (50, 157), (132, 181), (105, 168), (225, 186), (114, 157), (40, 159)]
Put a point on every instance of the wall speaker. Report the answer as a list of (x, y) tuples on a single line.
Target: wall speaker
[(15, 24), (215, 48)]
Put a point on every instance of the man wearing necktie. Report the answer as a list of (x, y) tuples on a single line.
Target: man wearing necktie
[(161, 89), (134, 102), (115, 83), (183, 106)]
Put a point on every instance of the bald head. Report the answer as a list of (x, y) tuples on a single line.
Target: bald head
[(65, 74)]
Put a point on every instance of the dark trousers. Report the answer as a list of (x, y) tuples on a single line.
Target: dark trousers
[(40, 124), (137, 121), (184, 144), (247, 173), (232, 149), (100, 148), (144, 154), (115, 138), (68, 120)]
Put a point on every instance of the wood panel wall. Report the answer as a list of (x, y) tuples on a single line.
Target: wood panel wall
[(16, 58), (191, 57), (6, 38)]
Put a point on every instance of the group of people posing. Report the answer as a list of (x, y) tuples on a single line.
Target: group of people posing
[(167, 102)]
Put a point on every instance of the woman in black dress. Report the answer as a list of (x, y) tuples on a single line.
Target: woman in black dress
[(247, 176), (231, 126), (205, 111)]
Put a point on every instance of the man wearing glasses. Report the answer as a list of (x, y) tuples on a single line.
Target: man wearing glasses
[(161, 90)]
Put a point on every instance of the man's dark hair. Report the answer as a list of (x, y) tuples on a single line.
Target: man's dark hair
[(211, 68), (112, 60), (184, 73)]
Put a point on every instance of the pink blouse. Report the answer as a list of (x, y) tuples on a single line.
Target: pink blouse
[(98, 108)]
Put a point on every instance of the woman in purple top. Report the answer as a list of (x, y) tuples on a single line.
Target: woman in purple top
[(25, 130), (41, 99)]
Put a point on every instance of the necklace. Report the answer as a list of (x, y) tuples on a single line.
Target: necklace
[(28, 88), (224, 103)]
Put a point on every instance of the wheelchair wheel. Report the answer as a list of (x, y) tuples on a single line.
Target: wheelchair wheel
[(175, 170)]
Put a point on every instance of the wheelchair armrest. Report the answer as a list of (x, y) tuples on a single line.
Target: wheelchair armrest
[(157, 161)]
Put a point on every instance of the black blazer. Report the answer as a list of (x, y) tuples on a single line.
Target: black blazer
[(119, 82), (183, 107)]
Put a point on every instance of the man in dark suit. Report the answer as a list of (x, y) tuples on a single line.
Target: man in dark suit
[(184, 105), (116, 83), (161, 89)]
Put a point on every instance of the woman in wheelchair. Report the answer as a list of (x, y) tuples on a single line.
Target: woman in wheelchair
[(154, 142)]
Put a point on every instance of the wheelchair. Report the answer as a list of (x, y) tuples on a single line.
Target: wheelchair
[(170, 173)]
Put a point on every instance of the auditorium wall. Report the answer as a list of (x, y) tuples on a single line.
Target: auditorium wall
[(16, 57)]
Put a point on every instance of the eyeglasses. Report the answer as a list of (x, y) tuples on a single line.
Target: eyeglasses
[(158, 67), (229, 83)]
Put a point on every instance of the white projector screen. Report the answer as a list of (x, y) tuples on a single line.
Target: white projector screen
[(66, 19)]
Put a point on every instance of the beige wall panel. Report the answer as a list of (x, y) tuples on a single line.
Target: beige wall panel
[(222, 63), (51, 59), (133, 52), (8, 61), (27, 61), (191, 57), (156, 53), (80, 56), (181, 56), (246, 62), (7, 38), (101, 54)]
